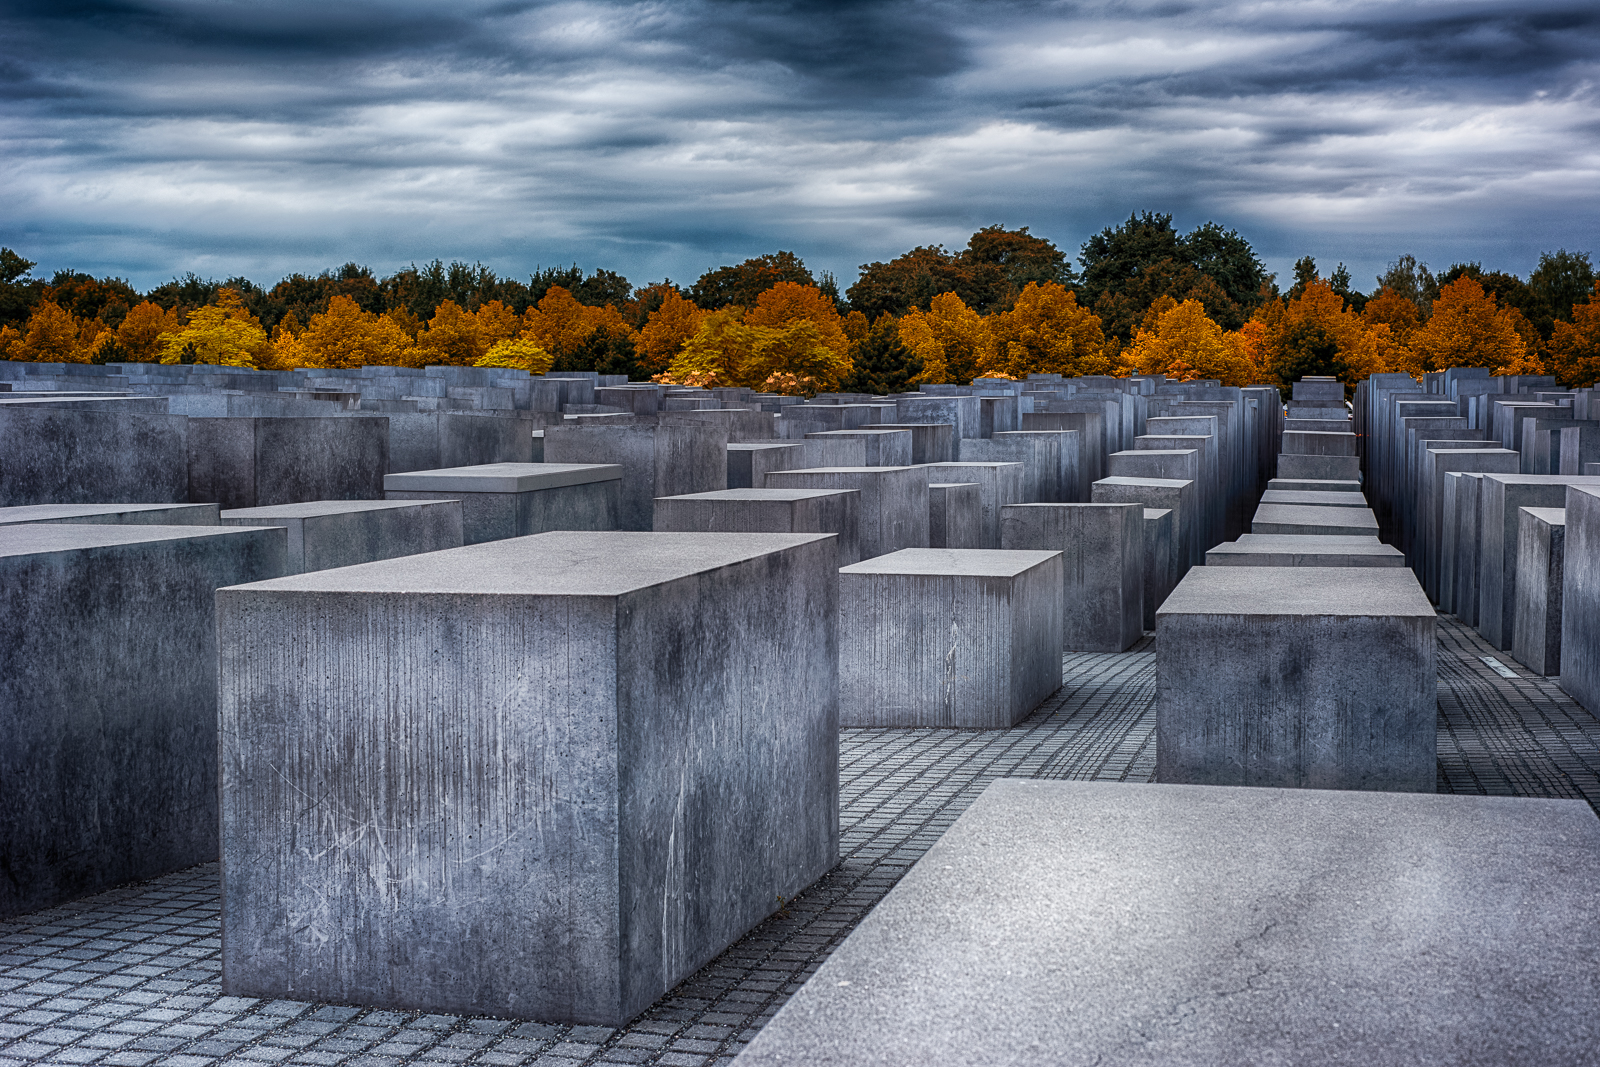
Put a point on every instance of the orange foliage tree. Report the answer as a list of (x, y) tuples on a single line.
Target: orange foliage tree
[(1469, 329), (1575, 345), (950, 339), (1045, 332), (344, 336)]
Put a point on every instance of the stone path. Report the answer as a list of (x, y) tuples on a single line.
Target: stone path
[(132, 976)]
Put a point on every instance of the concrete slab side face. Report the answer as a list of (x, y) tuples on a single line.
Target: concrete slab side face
[(112, 514), (108, 701), (1501, 496), (341, 533), (1367, 928), (1536, 626), (835, 511), (611, 756), (893, 509), (949, 638), (65, 456), (1580, 608), (1255, 686), (1102, 546)]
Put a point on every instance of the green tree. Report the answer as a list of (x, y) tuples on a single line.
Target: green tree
[(988, 275), (18, 292), (1561, 280), (1413, 281), (742, 284), (882, 364)]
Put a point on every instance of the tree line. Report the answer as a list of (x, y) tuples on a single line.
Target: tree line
[(1142, 298)]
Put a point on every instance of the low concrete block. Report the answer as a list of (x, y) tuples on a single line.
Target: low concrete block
[(73, 455), (948, 638), (253, 462), (1302, 519), (1318, 443), (1536, 628), (1580, 603), (1256, 684), (603, 757), (501, 500), (661, 458), (1159, 571), (999, 484), (955, 515), (1167, 494), (931, 442), (1320, 468), (1305, 550), (835, 511), (112, 514), (1314, 498), (1103, 566), (1364, 928), (881, 448), (893, 509), (341, 533), (108, 701), (1313, 485)]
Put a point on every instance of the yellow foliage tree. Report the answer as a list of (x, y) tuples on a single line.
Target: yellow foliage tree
[(496, 323), (141, 333), (1187, 345), (562, 326), (1575, 345), (790, 358), (1468, 329), (518, 353), (717, 353), (667, 328), (950, 339), (224, 333), (1045, 332), (345, 336), (788, 302), (51, 336), (451, 338)]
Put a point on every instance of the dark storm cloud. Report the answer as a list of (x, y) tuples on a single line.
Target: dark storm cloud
[(663, 138)]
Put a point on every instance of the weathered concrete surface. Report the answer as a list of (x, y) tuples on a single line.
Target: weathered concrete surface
[(931, 442), (1308, 677), (1304, 550), (108, 701), (881, 448), (1580, 603), (1500, 496), (1138, 925), (955, 515), (1039, 455), (964, 413), (1071, 476), (893, 510), (1319, 468), (1312, 485), (1438, 463), (1160, 573), (1314, 498), (1318, 443), (341, 533), (749, 462), (253, 462), (552, 776), (999, 484), (59, 455), (501, 500), (664, 458), (112, 514), (835, 511), (1305, 519), (432, 440), (1536, 620), (1170, 494), (949, 638), (1102, 546)]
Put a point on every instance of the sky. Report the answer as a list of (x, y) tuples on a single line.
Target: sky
[(149, 138)]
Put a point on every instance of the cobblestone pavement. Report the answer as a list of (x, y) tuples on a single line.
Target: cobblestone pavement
[(131, 976)]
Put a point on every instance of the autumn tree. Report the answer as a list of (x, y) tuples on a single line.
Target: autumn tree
[(142, 331), (18, 292), (740, 285), (224, 333), (786, 302), (988, 275), (345, 336), (580, 337), (51, 336), (1560, 282), (1412, 280), (1575, 346), (674, 320), (517, 353), (1394, 310), (1468, 328), (1046, 332), (951, 340), (1183, 343)]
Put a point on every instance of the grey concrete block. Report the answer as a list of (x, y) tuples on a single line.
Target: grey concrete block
[(58, 455), (1320, 468), (999, 484), (932, 442), (1318, 443), (1039, 455), (1305, 550), (108, 701), (432, 440), (112, 514), (1313, 485), (881, 448), (1313, 498), (1103, 566), (665, 458), (1099, 922), (1500, 497), (1070, 484), (948, 638), (249, 462), (1308, 677), (893, 509), (1305, 519), (964, 413), (1339, 425), (1536, 623), (1091, 429), (750, 462), (501, 500), (1578, 448), (1580, 601), (552, 776), (1159, 570), (955, 515), (740, 424), (835, 511), (341, 533), (1169, 494), (1325, 392)]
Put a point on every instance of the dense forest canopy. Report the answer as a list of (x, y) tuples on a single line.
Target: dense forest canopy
[(1142, 298)]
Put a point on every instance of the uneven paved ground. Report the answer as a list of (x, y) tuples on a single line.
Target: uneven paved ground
[(131, 976)]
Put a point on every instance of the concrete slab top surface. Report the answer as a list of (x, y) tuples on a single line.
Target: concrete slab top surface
[(49, 512), (1296, 544), (1347, 592), (1105, 923), (1302, 540), (1313, 498), (311, 509), (949, 485), (843, 470), (561, 563), (761, 494), (1545, 479), (1313, 485), (502, 477), (954, 562), (34, 539), (1151, 483), (1157, 452), (1316, 516), (1549, 516)]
